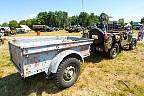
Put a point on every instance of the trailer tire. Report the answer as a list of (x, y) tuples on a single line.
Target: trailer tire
[(113, 52), (67, 73), (133, 44)]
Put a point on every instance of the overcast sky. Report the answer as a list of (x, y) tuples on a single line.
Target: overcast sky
[(25, 9)]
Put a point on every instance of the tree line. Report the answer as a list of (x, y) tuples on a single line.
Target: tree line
[(60, 19), (142, 20), (56, 19)]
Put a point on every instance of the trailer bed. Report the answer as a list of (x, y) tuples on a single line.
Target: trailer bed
[(35, 54)]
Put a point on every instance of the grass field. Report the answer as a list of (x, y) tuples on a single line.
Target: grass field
[(56, 33), (123, 76)]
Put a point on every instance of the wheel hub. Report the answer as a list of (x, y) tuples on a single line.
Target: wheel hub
[(69, 73), (134, 45), (114, 52)]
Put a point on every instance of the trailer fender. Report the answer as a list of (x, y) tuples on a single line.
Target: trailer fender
[(63, 55)]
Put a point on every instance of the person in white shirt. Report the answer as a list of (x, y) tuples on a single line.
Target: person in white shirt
[(141, 33)]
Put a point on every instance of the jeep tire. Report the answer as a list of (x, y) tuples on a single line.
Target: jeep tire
[(133, 44), (113, 52)]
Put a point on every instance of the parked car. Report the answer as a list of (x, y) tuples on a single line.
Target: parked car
[(20, 30), (55, 28), (75, 29), (43, 28), (67, 29), (71, 29)]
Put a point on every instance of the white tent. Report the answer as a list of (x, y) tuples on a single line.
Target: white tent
[(128, 25), (27, 29), (23, 29)]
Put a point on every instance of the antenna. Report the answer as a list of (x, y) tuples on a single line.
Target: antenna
[(82, 21), (83, 5)]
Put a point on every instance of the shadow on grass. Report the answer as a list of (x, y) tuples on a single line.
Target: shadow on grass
[(97, 57), (14, 85)]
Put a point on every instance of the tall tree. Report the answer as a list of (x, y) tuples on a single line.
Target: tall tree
[(42, 17), (29, 22), (13, 24), (5, 24), (57, 18), (93, 19), (121, 22), (115, 22), (36, 21), (131, 22), (142, 20), (22, 22), (51, 18), (73, 20), (61, 19), (83, 19), (65, 19)]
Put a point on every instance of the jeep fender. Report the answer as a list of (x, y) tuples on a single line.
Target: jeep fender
[(63, 55)]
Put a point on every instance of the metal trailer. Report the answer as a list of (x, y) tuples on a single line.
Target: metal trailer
[(58, 55), (43, 28)]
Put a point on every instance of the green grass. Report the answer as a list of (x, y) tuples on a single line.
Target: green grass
[(123, 76), (55, 33)]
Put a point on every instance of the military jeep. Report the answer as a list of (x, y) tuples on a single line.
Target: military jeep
[(110, 40)]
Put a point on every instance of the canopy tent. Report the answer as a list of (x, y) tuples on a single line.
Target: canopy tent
[(137, 24), (128, 25), (25, 27)]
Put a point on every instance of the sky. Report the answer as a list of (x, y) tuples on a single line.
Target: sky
[(130, 10)]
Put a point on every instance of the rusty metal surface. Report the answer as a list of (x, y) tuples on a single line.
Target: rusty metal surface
[(42, 54)]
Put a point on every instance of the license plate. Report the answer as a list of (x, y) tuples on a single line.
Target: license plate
[(94, 36)]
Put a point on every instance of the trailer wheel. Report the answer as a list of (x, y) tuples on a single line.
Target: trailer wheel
[(113, 52), (67, 73), (133, 44)]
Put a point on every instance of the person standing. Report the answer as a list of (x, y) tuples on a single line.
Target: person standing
[(141, 33), (1, 32)]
